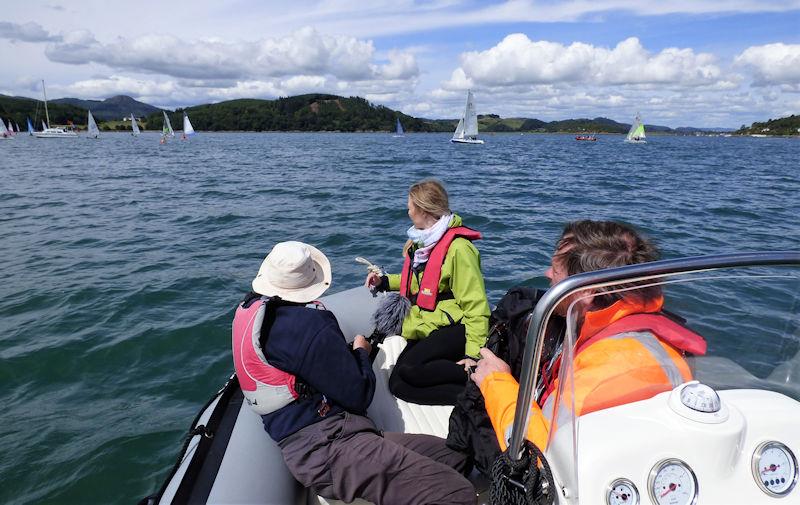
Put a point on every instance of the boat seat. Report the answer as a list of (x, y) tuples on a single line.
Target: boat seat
[(393, 414)]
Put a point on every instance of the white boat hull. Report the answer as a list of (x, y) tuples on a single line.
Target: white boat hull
[(631, 141), (56, 135), (466, 141)]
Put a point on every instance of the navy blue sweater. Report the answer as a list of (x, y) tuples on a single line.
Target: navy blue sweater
[(308, 343)]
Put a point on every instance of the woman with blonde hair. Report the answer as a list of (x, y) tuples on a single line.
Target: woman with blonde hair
[(448, 320)]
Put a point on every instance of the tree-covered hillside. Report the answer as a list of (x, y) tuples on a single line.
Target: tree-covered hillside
[(18, 109), (784, 126), (313, 112)]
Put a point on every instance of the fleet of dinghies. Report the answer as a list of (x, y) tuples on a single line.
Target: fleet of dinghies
[(466, 131)]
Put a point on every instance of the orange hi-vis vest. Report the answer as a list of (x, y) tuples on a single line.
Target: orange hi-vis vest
[(625, 353), (428, 293)]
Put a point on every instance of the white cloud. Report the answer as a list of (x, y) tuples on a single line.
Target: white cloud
[(304, 52), (26, 32), (518, 60), (401, 65), (773, 64)]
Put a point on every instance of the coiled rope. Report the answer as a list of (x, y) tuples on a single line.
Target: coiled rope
[(528, 481)]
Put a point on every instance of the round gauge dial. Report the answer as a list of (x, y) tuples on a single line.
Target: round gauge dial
[(622, 492), (774, 468), (672, 482)]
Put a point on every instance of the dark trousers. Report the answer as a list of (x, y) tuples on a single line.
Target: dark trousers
[(426, 371), (346, 457)]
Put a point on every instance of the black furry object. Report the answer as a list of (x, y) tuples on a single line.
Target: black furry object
[(388, 317)]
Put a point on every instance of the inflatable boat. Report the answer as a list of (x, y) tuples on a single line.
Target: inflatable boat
[(727, 436)]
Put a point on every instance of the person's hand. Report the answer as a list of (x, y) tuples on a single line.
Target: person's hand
[(373, 280), (488, 364), (467, 363), (360, 342)]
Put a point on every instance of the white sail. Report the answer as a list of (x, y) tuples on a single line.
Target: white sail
[(168, 126), (3, 130), (134, 125), (44, 126), (10, 126), (94, 131), (470, 118), (188, 129), (459, 133), (467, 129), (399, 128)]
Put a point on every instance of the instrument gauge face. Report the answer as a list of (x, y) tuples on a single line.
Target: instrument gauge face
[(672, 482), (774, 468), (622, 492)]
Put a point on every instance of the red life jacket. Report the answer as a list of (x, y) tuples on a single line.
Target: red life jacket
[(429, 287)]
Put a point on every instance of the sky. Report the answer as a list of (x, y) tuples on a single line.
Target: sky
[(700, 63)]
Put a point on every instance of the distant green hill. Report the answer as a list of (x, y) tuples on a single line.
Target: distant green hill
[(18, 109), (111, 109), (784, 126), (312, 112)]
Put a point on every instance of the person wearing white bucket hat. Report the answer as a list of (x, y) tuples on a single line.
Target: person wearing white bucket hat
[(295, 271), (312, 391)]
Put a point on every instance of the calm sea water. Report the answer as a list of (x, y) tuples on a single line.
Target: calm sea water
[(122, 260)]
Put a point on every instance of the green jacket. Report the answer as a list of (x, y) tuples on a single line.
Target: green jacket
[(461, 275)]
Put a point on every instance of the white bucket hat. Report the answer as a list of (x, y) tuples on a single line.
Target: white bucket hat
[(295, 271)]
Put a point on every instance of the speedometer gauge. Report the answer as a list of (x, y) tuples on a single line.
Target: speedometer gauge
[(672, 482), (774, 468), (622, 492)]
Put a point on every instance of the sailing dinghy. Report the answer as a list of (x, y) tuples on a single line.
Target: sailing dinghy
[(4, 133), (166, 130), (398, 130), (134, 126), (467, 129), (93, 130), (188, 129), (636, 133)]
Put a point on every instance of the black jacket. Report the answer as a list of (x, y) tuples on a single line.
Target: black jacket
[(470, 428)]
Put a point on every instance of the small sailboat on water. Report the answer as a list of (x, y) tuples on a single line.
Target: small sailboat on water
[(52, 133), (166, 130), (134, 126), (94, 131), (188, 129), (636, 133), (398, 129), (467, 129), (30, 127), (4, 133)]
